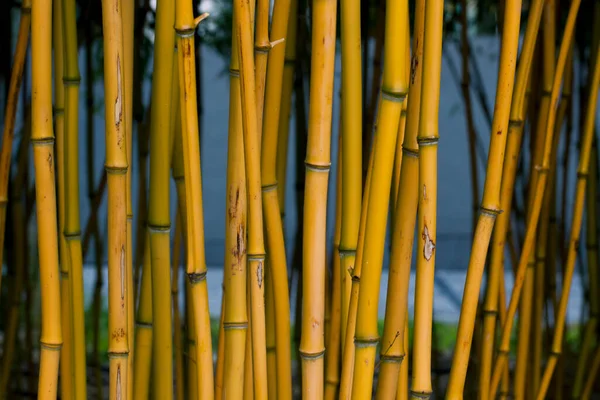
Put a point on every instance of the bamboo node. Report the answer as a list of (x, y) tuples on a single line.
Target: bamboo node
[(490, 211), (116, 170), (582, 175), (317, 167), (72, 235), (71, 80), (531, 264), (51, 346), (311, 356), (152, 228), (184, 33), (270, 187), (396, 97), (367, 342), (64, 275), (196, 277), (235, 325), (144, 325), (391, 359), (58, 111), (492, 313), (118, 354), (234, 72), (42, 141), (420, 394), (346, 252), (427, 141), (515, 123), (410, 152)]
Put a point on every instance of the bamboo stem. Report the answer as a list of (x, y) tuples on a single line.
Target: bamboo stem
[(72, 227), (536, 202), (196, 261), (427, 140), (116, 168), (42, 138)]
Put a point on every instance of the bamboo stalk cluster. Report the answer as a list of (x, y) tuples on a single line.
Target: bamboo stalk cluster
[(386, 184)]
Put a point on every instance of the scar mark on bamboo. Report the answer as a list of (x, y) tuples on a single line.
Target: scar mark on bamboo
[(499, 132), (239, 249), (429, 246), (123, 259), (118, 334), (233, 204), (259, 274), (119, 99), (424, 192), (413, 65), (119, 391), (49, 161)]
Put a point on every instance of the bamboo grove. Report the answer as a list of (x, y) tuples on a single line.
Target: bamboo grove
[(334, 109)]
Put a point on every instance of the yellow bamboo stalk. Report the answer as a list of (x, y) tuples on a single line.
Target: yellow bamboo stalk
[(143, 329), (536, 204), (42, 138), (427, 139), (256, 251), (235, 321), (355, 272), (393, 92), (220, 367), (261, 56), (591, 246), (128, 33), (515, 132), (66, 364), (317, 162), (72, 228), (287, 86), (8, 133), (393, 348), (178, 343), (582, 176), (332, 361), (351, 128), (270, 199), (196, 262), (116, 167), (158, 208), (490, 206)]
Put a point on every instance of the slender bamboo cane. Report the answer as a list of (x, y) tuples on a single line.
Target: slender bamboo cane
[(317, 163), (592, 261), (466, 92), (287, 87), (549, 57), (116, 167), (196, 262), (42, 138), (593, 372), (220, 367), (144, 330), (515, 136), (393, 92), (72, 228), (393, 348), (491, 204), (352, 151), (20, 234), (248, 370), (66, 366), (192, 372), (235, 317), (10, 114), (427, 140), (270, 334), (582, 176), (256, 252), (355, 272), (128, 32), (179, 380), (332, 362), (536, 206), (261, 56), (158, 208), (270, 199)]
